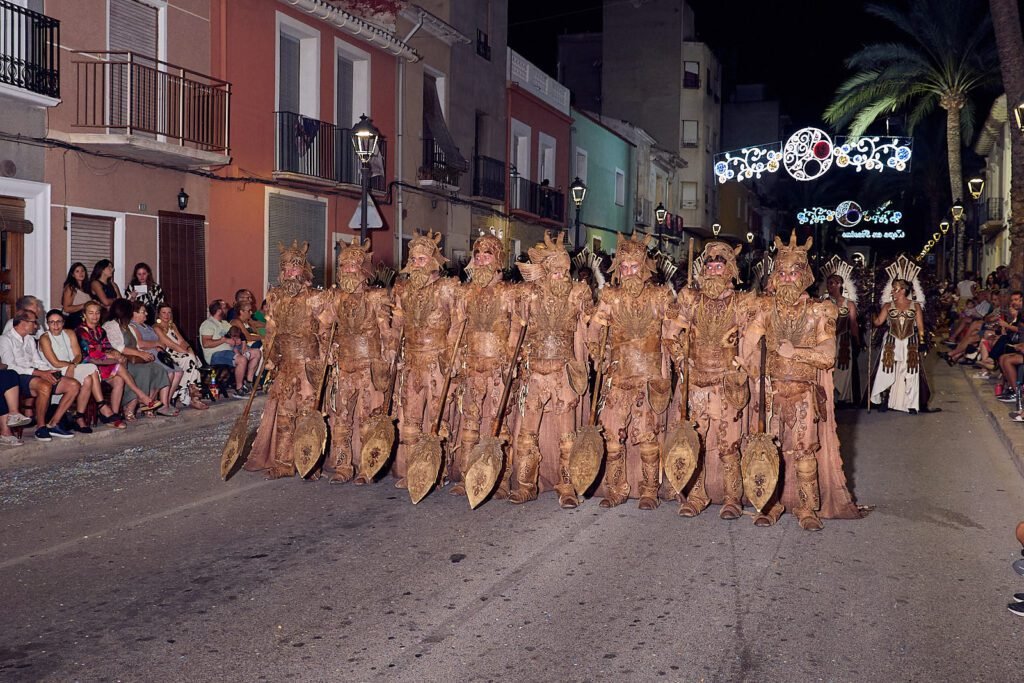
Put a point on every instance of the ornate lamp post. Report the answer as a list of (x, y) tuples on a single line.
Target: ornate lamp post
[(365, 137), (1018, 115), (660, 216), (959, 258), (579, 191)]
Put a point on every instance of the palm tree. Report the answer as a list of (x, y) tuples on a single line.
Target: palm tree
[(1010, 44), (946, 55)]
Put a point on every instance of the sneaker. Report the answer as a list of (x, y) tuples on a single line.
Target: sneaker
[(1018, 566), (60, 432), (235, 395), (1007, 397), (43, 434), (1017, 608), (245, 390), (1017, 417), (18, 420), (1019, 597), (980, 375), (11, 441)]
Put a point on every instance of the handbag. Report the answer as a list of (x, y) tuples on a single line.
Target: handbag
[(166, 359)]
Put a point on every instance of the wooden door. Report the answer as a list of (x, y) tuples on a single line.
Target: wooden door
[(13, 227), (183, 269)]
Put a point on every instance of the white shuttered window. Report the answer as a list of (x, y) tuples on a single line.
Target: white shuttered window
[(303, 220), (92, 239)]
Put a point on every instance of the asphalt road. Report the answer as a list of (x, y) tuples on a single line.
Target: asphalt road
[(129, 561)]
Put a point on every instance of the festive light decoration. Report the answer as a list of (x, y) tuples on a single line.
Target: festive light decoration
[(873, 235), (809, 153), (848, 214)]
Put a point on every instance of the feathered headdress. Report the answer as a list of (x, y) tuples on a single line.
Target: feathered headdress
[(839, 267), (588, 260), (903, 269)]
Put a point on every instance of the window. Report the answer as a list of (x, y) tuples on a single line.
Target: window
[(691, 75), (92, 239), (519, 152), (691, 131), (298, 67), (293, 218), (597, 245), (546, 159), (620, 187), (483, 48), (689, 195), (581, 164), (352, 77)]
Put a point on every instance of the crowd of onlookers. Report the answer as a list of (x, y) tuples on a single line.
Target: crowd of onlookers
[(986, 323), (111, 357)]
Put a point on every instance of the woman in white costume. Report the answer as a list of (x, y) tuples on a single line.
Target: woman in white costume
[(900, 358)]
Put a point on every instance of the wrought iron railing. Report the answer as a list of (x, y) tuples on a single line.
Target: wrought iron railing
[(992, 209), (29, 50), (542, 201), (319, 149), (436, 166), (129, 92), (489, 178)]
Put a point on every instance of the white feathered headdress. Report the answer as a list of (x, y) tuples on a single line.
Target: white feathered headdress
[(903, 269), (837, 266), (588, 260)]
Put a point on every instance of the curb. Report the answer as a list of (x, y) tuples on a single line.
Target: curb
[(223, 412), (996, 412)]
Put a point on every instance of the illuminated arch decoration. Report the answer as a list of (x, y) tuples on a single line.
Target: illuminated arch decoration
[(809, 153), (848, 214)]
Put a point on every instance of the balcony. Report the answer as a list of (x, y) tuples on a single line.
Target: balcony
[(29, 55), (320, 153), (537, 201), (150, 110), (644, 212), (489, 179), (991, 210), (436, 170)]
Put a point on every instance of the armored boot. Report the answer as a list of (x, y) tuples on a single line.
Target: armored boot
[(408, 435), (564, 488), (732, 481), (697, 500), (362, 478), (807, 491), (505, 480), (284, 455), (527, 464), (650, 468), (616, 488), (770, 516), (470, 438), (340, 457)]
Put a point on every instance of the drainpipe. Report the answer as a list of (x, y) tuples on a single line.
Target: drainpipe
[(399, 166)]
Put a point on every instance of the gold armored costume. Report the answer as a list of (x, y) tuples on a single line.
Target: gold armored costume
[(363, 351), (424, 312), (554, 372), (297, 321), (714, 319), (637, 387)]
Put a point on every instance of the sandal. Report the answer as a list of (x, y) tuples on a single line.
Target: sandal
[(198, 405), (149, 407), (166, 411)]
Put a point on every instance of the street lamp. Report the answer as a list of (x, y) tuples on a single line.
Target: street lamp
[(1018, 114), (660, 213), (579, 191), (365, 137), (182, 200), (944, 227), (957, 210), (976, 186), (959, 255), (750, 237), (716, 228)]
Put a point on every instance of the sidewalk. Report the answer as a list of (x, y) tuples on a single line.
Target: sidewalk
[(1010, 433), (144, 431)]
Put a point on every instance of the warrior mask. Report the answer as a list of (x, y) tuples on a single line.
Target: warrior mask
[(792, 274), (548, 266), (354, 266), (631, 267), (296, 272), (425, 259), (719, 269), (488, 255)]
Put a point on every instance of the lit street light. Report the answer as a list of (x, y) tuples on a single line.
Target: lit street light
[(579, 191), (660, 216), (365, 137)]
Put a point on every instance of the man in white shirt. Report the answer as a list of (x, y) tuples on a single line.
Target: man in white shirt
[(18, 352), (31, 304), (219, 349)]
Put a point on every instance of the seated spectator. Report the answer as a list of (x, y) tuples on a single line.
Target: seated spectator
[(1009, 330), (156, 342), (95, 345), (10, 387), (253, 342), (184, 357), (245, 297), (18, 351), (221, 349), (102, 285), (30, 304), (972, 316), (60, 348), (75, 295), (144, 290), (149, 376)]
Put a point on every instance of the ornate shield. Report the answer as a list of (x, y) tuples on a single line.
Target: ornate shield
[(585, 458), (682, 453), (482, 474), (378, 444), (424, 466), (233, 448), (760, 466), (659, 391), (310, 439), (578, 377), (380, 374)]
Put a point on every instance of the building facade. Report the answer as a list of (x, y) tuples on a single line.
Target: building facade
[(604, 161), (992, 209)]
